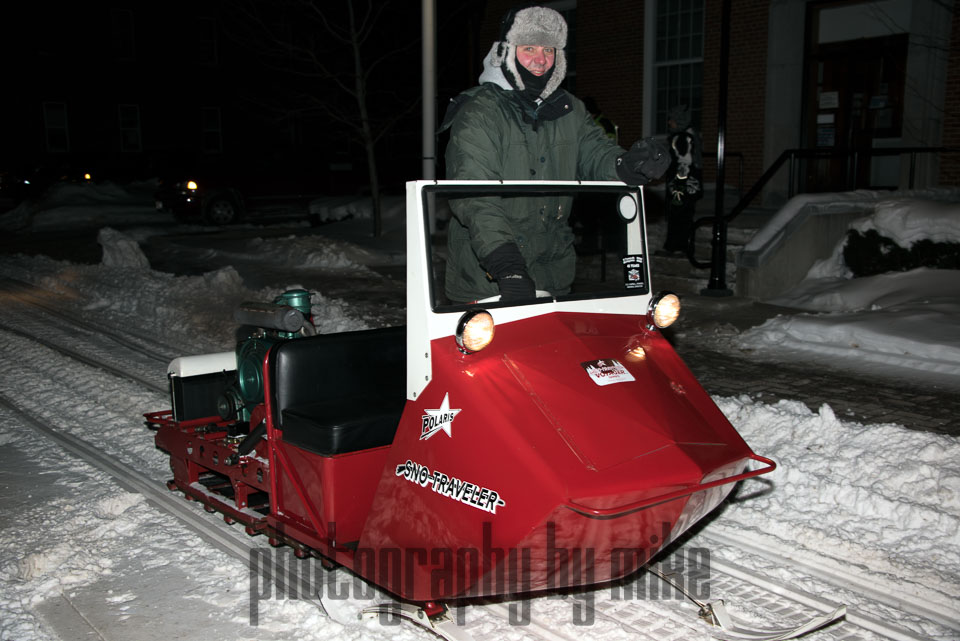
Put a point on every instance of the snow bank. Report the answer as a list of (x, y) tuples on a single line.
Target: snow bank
[(878, 500), (312, 251), (900, 319), (120, 250), (864, 199), (907, 221)]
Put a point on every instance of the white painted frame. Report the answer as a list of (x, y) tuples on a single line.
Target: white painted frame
[(425, 325)]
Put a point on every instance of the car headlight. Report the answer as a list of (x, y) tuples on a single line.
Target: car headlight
[(474, 331), (663, 310), (192, 185)]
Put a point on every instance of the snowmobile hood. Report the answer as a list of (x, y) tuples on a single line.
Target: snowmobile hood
[(613, 402)]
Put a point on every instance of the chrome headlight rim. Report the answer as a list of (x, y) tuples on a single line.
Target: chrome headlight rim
[(474, 320), (668, 305)]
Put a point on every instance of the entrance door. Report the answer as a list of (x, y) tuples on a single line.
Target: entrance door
[(854, 103)]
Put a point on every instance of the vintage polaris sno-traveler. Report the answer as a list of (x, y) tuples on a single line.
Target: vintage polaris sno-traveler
[(455, 456)]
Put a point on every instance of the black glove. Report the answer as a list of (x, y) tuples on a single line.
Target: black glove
[(506, 265), (647, 160)]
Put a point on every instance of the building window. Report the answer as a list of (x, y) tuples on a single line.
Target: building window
[(55, 127), (207, 45), (130, 128), (678, 59), (211, 139), (121, 31)]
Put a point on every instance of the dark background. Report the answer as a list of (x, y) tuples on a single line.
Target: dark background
[(143, 87)]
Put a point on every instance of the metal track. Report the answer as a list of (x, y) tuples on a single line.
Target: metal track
[(231, 540), (150, 347), (83, 358), (86, 342), (839, 578)]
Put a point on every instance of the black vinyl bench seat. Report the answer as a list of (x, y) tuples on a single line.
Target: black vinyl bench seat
[(339, 393)]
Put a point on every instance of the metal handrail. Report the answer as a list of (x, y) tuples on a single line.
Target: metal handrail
[(793, 155), (739, 156)]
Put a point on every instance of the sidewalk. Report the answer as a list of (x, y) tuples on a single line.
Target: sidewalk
[(853, 394)]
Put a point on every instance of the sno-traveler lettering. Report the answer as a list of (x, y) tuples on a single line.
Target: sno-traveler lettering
[(518, 124), (683, 179)]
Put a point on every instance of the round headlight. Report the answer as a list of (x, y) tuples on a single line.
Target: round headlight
[(474, 331), (664, 310), (192, 185)]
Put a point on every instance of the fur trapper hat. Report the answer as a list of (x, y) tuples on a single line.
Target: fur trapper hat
[(531, 26)]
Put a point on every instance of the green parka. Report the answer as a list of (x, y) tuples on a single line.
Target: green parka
[(498, 135)]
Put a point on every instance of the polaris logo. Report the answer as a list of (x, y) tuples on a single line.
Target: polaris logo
[(439, 419)]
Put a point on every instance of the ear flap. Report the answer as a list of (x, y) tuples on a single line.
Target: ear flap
[(497, 53), (510, 63), (559, 73)]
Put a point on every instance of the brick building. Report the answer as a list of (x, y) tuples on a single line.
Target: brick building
[(125, 84), (832, 76)]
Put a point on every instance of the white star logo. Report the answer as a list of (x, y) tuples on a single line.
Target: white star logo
[(438, 419)]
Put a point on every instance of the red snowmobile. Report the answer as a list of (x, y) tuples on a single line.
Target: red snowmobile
[(483, 449)]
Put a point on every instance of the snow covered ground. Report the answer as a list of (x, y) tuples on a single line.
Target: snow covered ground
[(881, 501)]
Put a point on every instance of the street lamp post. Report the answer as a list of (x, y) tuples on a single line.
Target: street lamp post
[(717, 285)]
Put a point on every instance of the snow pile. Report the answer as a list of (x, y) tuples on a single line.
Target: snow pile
[(326, 210), (333, 209), (881, 501), (904, 319), (908, 221), (121, 251), (18, 218), (193, 313), (864, 199), (90, 193), (312, 251)]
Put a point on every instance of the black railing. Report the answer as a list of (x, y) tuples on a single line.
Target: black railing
[(718, 263), (739, 157)]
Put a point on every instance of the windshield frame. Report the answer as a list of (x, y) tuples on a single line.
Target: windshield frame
[(635, 233)]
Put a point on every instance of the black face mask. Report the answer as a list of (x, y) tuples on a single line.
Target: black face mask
[(533, 85)]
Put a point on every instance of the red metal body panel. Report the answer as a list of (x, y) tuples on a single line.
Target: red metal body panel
[(563, 454), (568, 452), (339, 491)]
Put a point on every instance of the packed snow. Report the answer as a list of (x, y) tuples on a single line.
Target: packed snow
[(901, 319), (879, 501)]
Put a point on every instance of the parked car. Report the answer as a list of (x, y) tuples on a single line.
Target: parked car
[(223, 193)]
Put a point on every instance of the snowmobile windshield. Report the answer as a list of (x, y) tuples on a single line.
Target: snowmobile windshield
[(580, 241)]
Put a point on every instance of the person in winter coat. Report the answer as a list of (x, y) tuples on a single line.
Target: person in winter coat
[(519, 125), (602, 121), (684, 186)]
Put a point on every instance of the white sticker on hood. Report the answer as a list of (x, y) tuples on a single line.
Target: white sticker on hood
[(607, 371)]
